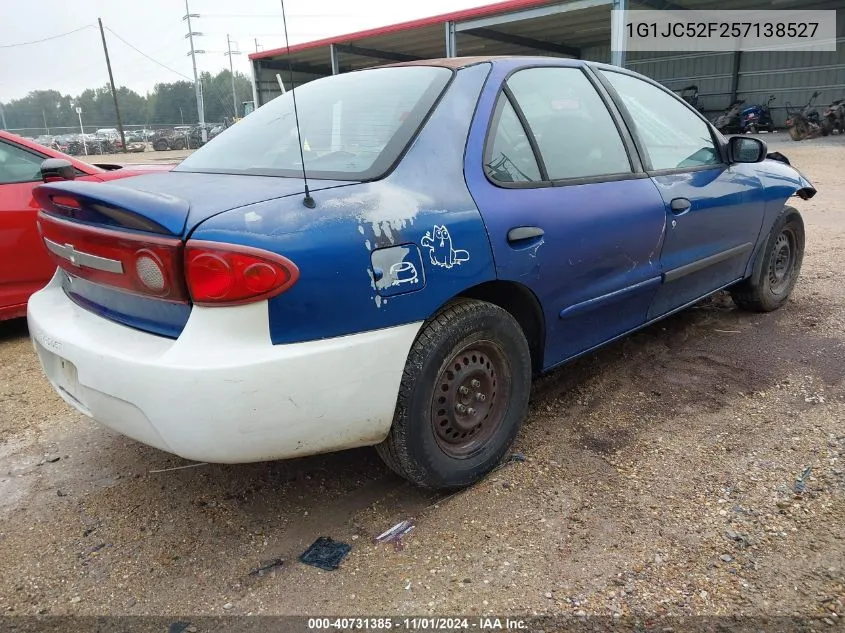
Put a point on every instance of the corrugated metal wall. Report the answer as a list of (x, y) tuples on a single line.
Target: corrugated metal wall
[(791, 76)]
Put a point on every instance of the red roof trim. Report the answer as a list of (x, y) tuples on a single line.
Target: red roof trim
[(466, 14)]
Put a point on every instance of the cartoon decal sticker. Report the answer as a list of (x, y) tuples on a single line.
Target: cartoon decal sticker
[(440, 251), (403, 273), (396, 270)]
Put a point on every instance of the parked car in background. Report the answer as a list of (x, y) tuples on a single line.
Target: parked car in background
[(25, 265), (163, 140), (466, 224)]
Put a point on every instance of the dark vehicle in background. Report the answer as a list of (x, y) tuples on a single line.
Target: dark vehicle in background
[(690, 95), (163, 140), (804, 123), (757, 117), (183, 137), (833, 118), (729, 121)]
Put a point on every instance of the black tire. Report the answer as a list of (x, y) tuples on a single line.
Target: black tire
[(827, 127), (467, 345), (777, 267), (160, 146), (178, 143)]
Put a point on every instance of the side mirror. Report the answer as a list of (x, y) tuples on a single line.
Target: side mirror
[(744, 149), (53, 169)]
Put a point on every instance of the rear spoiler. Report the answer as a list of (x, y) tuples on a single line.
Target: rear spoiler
[(114, 206)]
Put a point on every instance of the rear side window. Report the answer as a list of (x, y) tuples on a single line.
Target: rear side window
[(18, 165), (672, 135), (509, 156), (354, 126), (575, 133)]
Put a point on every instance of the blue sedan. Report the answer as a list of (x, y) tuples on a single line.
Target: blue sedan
[(395, 268)]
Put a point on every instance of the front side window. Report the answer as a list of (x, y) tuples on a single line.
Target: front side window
[(671, 134), (18, 165), (353, 126), (509, 156), (575, 132)]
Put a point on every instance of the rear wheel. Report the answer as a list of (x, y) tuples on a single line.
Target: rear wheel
[(777, 270), (463, 396), (160, 145), (178, 143)]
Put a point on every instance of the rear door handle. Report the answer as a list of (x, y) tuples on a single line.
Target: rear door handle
[(523, 233), (680, 206)]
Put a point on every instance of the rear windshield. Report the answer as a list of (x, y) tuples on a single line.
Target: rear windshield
[(354, 126)]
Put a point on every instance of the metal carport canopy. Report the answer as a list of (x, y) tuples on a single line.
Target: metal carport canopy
[(513, 27), (566, 28)]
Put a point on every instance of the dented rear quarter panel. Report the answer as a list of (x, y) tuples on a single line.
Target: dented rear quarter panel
[(338, 291)]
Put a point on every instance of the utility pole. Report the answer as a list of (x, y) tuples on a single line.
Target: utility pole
[(113, 90), (82, 130), (3, 116), (197, 88), (256, 44), (44, 117), (232, 73)]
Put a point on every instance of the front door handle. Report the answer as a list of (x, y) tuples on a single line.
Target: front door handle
[(680, 206), (523, 233)]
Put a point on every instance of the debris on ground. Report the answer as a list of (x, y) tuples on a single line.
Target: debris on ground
[(167, 470), (395, 534), (517, 457), (325, 553), (800, 486), (267, 566)]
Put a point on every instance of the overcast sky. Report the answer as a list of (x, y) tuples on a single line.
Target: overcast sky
[(74, 62)]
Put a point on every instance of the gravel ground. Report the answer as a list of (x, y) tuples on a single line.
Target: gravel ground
[(150, 156), (695, 467)]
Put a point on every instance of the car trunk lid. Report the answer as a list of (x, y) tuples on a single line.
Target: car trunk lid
[(120, 245)]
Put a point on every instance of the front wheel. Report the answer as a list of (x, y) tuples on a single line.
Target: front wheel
[(463, 397), (776, 272)]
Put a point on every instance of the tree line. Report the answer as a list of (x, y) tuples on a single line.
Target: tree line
[(171, 103)]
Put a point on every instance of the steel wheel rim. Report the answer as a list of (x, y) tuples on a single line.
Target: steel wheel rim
[(782, 262), (469, 401)]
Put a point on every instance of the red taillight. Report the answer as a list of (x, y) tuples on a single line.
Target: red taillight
[(135, 262), (208, 273), (227, 274)]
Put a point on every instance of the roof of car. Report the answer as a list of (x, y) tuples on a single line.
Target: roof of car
[(462, 62)]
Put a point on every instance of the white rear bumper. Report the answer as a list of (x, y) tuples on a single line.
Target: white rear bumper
[(221, 392)]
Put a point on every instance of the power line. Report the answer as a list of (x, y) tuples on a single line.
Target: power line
[(138, 50), (47, 39), (275, 15)]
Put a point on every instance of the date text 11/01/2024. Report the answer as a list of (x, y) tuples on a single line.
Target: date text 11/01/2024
[(723, 29), (419, 624)]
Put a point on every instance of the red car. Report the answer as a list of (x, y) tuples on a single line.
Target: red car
[(24, 263)]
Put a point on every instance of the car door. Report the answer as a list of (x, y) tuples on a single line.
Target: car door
[(24, 263), (569, 212), (714, 210)]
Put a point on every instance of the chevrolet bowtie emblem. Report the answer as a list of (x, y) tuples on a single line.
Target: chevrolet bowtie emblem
[(71, 254), (81, 259)]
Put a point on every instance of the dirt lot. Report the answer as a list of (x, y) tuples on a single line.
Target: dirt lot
[(150, 156), (693, 468)]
